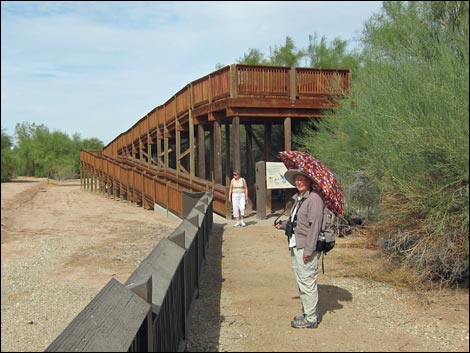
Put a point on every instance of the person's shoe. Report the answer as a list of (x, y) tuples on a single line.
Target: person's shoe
[(303, 323), (302, 316), (237, 224), (243, 224)]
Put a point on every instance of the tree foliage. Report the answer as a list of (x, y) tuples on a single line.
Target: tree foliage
[(7, 157), (319, 54), (42, 153), (253, 57), (287, 54), (330, 55), (406, 127)]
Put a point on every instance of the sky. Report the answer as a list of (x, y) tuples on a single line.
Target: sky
[(95, 68)]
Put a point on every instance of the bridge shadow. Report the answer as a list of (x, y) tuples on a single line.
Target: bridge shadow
[(206, 319)]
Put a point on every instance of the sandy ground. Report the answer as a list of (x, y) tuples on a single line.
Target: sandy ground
[(60, 245)]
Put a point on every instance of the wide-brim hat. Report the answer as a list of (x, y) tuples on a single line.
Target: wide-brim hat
[(291, 174)]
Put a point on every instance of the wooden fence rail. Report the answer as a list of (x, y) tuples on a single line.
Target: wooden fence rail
[(151, 311), (126, 179)]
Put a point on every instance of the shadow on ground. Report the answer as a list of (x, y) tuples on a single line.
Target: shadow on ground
[(205, 336), (329, 298)]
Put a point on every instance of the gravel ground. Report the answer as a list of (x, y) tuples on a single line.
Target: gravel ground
[(60, 246)]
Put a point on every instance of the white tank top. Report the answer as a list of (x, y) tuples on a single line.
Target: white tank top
[(238, 187)]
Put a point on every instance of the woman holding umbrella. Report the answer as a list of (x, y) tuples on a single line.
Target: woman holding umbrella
[(317, 189), (303, 229)]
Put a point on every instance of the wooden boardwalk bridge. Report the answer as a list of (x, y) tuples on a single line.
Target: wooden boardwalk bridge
[(192, 142)]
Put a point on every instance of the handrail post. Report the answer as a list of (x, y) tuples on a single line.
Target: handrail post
[(144, 290), (233, 81), (292, 84)]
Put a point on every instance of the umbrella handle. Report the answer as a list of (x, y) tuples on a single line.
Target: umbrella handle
[(276, 221)]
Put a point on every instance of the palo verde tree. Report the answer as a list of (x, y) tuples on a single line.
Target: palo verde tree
[(406, 128)]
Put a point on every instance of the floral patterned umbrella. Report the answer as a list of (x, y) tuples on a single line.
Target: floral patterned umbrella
[(325, 183)]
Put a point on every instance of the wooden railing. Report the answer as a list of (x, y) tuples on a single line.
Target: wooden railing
[(151, 311), (263, 81), (128, 180), (231, 82)]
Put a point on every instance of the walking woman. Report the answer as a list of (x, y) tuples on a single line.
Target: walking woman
[(238, 195)]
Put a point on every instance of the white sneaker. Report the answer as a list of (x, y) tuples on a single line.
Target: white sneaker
[(243, 224), (237, 224)]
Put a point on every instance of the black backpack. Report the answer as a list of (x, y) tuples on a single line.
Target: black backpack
[(327, 237)]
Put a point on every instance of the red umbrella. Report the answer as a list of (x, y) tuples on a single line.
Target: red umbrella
[(325, 183)]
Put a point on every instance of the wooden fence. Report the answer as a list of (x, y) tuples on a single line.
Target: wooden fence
[(150, 312), (127, 179)]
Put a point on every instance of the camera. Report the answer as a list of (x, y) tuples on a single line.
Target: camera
[(290, 228)]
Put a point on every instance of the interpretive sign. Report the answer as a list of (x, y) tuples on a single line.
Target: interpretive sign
[(275, 176)]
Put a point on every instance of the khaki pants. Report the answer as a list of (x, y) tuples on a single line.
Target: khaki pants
[(306, 278)]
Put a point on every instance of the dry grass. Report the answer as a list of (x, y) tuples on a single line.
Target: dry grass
[(368, 261)]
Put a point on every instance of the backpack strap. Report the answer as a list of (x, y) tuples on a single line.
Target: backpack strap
[(323, 224), (322, 265)]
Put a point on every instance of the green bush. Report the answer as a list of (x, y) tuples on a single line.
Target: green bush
[(406, 127)]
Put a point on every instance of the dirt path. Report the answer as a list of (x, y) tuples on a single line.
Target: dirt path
[(62, 245)]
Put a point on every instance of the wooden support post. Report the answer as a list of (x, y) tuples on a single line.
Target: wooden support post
[(201, 152), (288, 146), (178, 151), (228, 176), (287, 134), (236, 143), (192, 167), (261, 189), (267, 158), (217, 152), (166, 152), (250, 159)]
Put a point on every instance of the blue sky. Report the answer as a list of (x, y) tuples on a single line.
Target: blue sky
[(96, 68)]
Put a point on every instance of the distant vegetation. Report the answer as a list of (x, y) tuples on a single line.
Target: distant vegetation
[(41, 153)]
